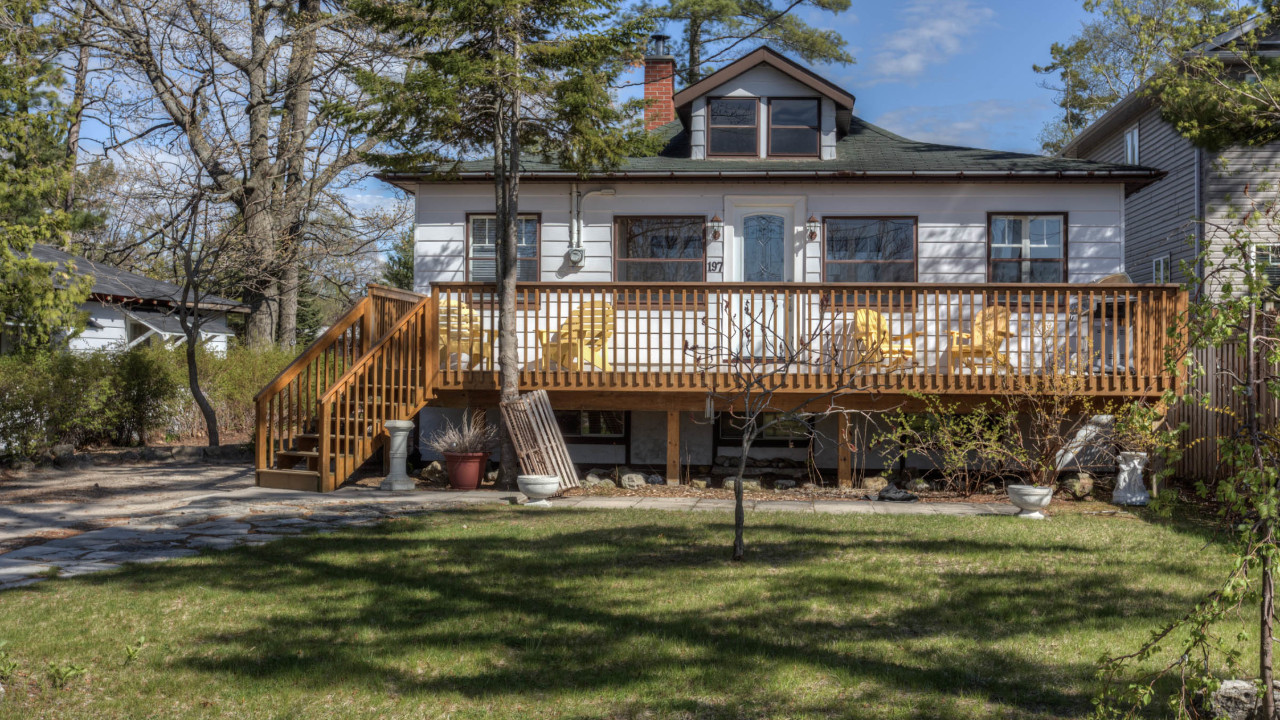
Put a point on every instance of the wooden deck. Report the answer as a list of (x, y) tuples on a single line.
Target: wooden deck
[(647, 346)]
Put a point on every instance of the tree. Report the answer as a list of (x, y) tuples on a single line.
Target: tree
[(37, 299), (246, 91), (398, 272), (1114, 54), (715, 30), (498, 78)]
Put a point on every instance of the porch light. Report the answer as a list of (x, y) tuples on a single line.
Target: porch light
[(813, 226), (715, 228)]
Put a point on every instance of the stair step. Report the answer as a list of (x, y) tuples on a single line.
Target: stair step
[(308, 480)]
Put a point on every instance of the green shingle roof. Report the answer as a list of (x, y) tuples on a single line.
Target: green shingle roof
[(866, 152)]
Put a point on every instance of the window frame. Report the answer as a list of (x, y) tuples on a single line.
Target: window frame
[(1156, 276), (724, 419), (617, 245), (915, 244), (817, 130), (755, 145), (1133, 148), (1066, 245), (466, 246), (618, 440)]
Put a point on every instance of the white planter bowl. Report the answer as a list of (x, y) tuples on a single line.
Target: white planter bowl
[(538, 488), (1030, 500)]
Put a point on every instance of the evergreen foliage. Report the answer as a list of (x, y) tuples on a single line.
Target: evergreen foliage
[(398, 272)]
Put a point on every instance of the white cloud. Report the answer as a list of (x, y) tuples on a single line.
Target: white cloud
[(993, 124), (932, 32)]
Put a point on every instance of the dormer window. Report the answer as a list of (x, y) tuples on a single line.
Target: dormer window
[(734, 127), (793, 126)]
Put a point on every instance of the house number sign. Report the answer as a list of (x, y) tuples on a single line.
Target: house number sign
[(714, 265)]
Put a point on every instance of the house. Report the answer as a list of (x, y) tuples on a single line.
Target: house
[(125, 309), (770, 192), (1163, 232)]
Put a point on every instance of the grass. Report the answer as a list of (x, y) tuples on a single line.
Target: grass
[(578, 614)]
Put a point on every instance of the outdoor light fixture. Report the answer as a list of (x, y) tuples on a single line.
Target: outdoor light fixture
[(813, 226), (715, 228)]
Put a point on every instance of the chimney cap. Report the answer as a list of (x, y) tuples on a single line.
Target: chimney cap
[(658, 46)]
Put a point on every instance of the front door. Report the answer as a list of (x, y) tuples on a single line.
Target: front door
[(766, 250)]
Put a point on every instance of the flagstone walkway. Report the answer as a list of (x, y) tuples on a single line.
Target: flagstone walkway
[(154, 530)]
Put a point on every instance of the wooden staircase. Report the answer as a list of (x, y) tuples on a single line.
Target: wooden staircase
[(324, 415)]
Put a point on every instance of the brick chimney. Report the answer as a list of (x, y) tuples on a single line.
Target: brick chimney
[(659, 83)]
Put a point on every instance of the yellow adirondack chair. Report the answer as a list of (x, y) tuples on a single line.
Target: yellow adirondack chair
[(582, 340), (462, 333), (981, 345), (867, 340)]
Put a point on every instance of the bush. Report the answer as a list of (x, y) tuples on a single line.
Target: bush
[(126, 397)]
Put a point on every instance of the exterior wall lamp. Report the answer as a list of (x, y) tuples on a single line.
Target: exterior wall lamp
[(813, 226), (715, 228)]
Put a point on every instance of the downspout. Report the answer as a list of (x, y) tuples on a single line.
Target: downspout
[(575, 217), (1200, 212)]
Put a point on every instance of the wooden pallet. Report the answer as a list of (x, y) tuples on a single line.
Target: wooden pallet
[(539, 444)]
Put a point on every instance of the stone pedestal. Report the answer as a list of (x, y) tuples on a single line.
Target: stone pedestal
[(397, 478)]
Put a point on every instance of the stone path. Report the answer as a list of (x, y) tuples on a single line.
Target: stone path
[(151, 532)]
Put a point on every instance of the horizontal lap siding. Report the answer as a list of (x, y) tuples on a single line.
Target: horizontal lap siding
[(1232, 178), (111, 333), (952, 222)]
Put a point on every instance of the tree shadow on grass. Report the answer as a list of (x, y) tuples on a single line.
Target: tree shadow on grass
[(643, 611)]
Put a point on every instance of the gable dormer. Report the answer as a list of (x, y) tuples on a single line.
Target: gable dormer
[(760, 107)]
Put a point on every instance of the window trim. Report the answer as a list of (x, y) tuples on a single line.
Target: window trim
[(617, 244), (466, 245), (755, 146), (1134, 132), (1066, 244), (723, 419), (1167, 277), (624, 439), (915, 243), (817, 130)]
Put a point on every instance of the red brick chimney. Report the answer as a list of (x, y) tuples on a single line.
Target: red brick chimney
[(659, 83)]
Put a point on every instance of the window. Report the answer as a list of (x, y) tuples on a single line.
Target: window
[(1160, 270), (587, 426), (786, 433), (1131, 155), (660, 249), (1268, 259), (1027, 249), (482, 249), (869, 250), (793, 126), (733, 126)]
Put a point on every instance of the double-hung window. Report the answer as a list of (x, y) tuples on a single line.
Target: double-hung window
[(660, 248), (734, 126), (1131, 154), (1160, 270), (793, 126), (482, 248), (869, 249), (1028, 249)]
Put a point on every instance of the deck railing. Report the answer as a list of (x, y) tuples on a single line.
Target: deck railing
[(696, 336)]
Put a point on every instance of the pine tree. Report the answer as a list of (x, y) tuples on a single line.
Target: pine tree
[(398, 272), (720, 30), (498, 77), (37, 299)]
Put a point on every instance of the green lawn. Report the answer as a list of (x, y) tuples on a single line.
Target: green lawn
[(577, 614)]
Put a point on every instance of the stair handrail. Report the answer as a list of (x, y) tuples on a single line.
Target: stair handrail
[(327, 338), (424, 309)]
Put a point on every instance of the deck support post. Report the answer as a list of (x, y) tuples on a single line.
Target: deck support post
[(844, 466), (673, 447)]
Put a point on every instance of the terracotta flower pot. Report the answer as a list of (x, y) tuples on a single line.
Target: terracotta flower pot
[(465, 469)]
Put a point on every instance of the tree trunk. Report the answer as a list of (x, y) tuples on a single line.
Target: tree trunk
[(77, 114), (289, 303), (506, 160), (1266, 648), (739, 514), (193, 380), (693, 37)]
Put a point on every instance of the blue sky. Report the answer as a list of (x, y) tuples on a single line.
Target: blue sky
[(953, 71)]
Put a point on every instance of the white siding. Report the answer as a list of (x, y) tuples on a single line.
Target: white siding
[(761, 82), (951, 219), (112, 331)]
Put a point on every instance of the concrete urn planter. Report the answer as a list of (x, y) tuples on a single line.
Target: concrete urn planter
[(1030, 500), (538, 488)]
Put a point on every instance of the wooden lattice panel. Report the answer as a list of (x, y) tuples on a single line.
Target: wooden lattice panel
[(537, 438)]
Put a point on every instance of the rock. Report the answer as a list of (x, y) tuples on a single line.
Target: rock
[(990, 488), (632, 481), (188, 453), (600, 473), (130, 456), (700, 482), (228, 454), (434, 471), (594, 481), (1077, 485), (656, 479), (874, 484), (783, 484), (724, 461), (1236, 700), (492, 476), (917, 485), (63, 455), (747, 484), (155, 454), (22, 465)]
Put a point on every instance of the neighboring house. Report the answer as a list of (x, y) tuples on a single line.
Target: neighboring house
[(770, 189), (125, 309), (1163, 232)]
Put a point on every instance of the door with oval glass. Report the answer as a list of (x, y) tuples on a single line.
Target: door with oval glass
[(766, 258)]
